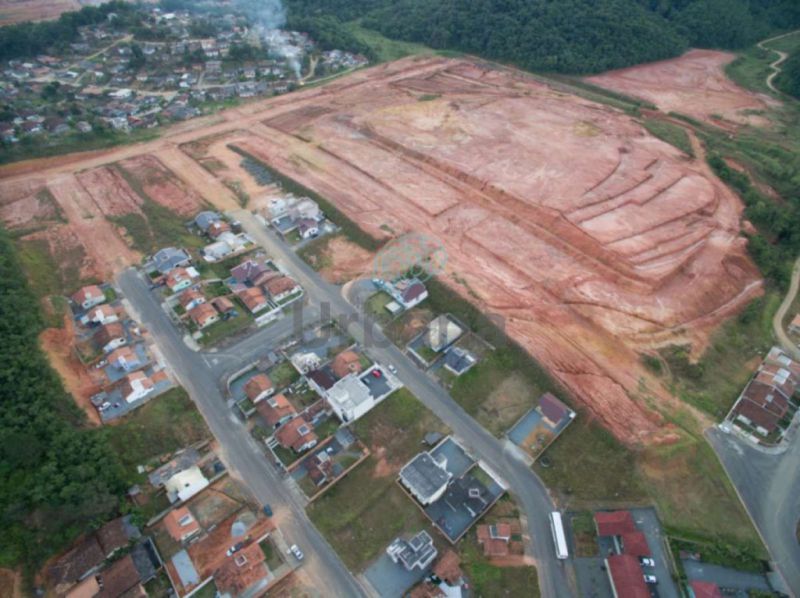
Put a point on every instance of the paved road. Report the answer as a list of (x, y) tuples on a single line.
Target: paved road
[(777, 320), (239, 450), (526, 487), (724, 576), (769, 486)]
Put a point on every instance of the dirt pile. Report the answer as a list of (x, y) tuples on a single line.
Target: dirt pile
[(693, 84)]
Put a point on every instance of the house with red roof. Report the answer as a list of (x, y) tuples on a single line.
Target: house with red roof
[(258, 388), (203, 315), (704, 589), (181, 524), (614, 523), (276, 410), (494, 539), (635, 544), (254, 299), (553, 411), (296, 434), (89, 296), (626, 576)]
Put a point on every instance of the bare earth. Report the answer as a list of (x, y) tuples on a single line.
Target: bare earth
[(16, 11), (693, 84), (589, 237)]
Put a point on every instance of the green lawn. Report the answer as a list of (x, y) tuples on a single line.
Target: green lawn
[(225, 328), (386, 49), (49, 274), (376, 307), (315, 253), (489, 580), (366, 510), (163, 425), (283, 374), (671, 133)]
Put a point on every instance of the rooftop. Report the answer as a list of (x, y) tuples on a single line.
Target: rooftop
[(614, 523), (626, 576), (425, 477)]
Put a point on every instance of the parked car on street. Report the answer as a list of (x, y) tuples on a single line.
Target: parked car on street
[(295, 550)]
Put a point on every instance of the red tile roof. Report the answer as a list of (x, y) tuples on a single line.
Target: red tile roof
[(705, 589), (345, 363), (201, 314), (118, 578), (626, 576), (756, 414), (109, 332), (253, 298), (112, 536), (190, 295), (280, 285), (179, 530), (257, 385), (635, 544), (291, 434), (274, 409), (613, 523), (222, 304), (241, 570), (491, 546), (86, 293), (448, 567)]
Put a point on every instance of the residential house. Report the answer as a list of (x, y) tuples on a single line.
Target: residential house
[(458, 360), (307, 228), (297, 435), (226, 244), (276, 410), (635, 544), (281, 288), (203, 315), (254, 299), (244, 574), (259, 280), (120, 578), (418, 552), (76, 564), (116, 535), (125, 359), (304, 208), (248, 270), (102, 314), (215, 229), (258, 388), (705, 589), (181, 525), (626, 576), (111, 336), (168, 258), (448, 568), (494, 539), (346, 362), (321, 380), (185, 484), (761, 406), (205, 219), (305, 362), (135, 386), (191, 298), (181, 278), (89, 296), (350, 398), (409, 292), (553, 411), (426, 478), (222, 304), (442, 332)]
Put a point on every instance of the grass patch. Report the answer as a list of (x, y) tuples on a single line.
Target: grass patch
[(376, 306), (585, 534), (489, 581), (576, 463), (366, 510), (161, 426), (713, 383), (671, 133), (383, 48), (48, 274), (315, 253), (225, 328), (719, 553), (283, 374)]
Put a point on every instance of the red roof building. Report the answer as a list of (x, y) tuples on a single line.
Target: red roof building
[(553, 410), (258, 387), (705, 589), (203, 315), (297, 435), (254, 299), (89, 296), (614, 523), (626, 577), (346, 362), (276, 410), (180, 524), (280, 286), (635, 544), (494, 539)]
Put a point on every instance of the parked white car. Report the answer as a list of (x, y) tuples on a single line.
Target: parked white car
[(295, 550)]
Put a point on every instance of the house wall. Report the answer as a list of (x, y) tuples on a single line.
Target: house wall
[(113, 344)]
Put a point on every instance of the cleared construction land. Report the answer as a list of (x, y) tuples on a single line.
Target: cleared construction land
[(591, 238)]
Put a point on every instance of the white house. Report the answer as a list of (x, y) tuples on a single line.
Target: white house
[(351, 397), (136, 386), (103, 314), (185, 484), (124, 359), (89, 296)]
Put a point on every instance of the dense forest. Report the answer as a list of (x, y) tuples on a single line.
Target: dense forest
[(789, 79), (57, 478), (568, 36)]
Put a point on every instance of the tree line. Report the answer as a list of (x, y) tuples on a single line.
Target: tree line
[(58, 478)]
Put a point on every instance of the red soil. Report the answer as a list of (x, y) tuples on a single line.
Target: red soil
[(693, 84), (161, 185), (16, 11), (589, 237), (110, 191)]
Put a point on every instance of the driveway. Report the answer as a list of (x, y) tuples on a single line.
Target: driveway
[(769, 486), (725, 577)]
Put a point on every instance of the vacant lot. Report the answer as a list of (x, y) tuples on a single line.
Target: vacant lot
[(367, 509), (161, 426)]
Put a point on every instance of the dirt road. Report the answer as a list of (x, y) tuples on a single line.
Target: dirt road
[(775, 66), (777, 320)]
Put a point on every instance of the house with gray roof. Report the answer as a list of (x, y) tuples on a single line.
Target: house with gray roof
[(168, 258), (418, 552), (426, 477)]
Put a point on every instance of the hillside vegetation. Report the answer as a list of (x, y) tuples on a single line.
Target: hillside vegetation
[(568, 36)]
